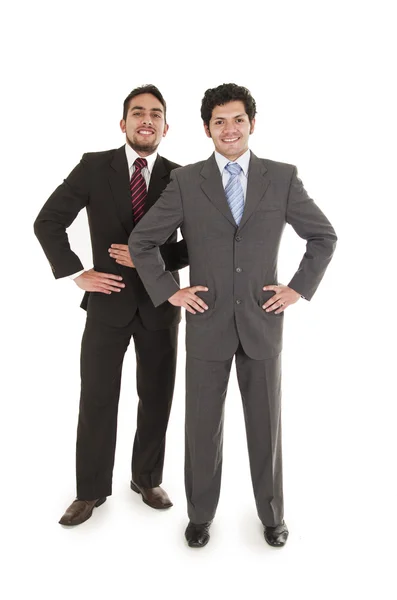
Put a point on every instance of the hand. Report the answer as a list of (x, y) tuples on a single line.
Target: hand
[(187, 298), (283, 297), (121, 254), (94, 281)]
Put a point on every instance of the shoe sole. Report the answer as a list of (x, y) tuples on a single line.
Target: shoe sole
[(138, 491), (98, 503), (277, 544), (198, 545)]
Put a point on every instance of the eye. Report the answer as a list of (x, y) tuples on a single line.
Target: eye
[(136, 114), (240, 120), (218, 122), (157, 115)]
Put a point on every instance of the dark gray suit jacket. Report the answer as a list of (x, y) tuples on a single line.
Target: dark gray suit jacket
[(233, 262)]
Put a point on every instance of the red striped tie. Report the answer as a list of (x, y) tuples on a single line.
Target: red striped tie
[(138, 189)]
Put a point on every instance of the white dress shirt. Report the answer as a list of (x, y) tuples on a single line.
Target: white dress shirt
[(146, 173), (243, 161)]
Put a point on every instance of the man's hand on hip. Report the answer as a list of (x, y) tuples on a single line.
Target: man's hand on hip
[(94, 281), (121, 254), (283, 297), (187, 298)]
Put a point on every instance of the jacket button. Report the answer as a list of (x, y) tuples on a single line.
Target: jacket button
[(238, 301), (237, 238), (238, 270)]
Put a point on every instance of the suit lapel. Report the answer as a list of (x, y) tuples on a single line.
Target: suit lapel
[(257, 184), (158, 182), (213, 188), (120, 185)]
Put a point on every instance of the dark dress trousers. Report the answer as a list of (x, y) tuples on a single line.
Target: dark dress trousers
[(235, 263), (100, 183)]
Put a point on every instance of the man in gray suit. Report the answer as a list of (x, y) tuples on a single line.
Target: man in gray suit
[(232, 210)]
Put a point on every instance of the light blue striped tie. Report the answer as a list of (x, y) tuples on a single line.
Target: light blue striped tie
[(234, 191)]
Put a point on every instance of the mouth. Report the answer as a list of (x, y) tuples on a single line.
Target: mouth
[(145, 131), (230, 140)]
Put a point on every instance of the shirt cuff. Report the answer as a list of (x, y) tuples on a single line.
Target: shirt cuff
[(76, 274)]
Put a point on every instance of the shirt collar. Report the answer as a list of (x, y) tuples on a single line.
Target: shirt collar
[(132, 156), (243, 161)]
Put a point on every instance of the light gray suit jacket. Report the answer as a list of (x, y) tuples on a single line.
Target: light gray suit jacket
[(233, 262)]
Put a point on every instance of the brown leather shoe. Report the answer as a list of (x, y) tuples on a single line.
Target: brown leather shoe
[(79, 511), (154, 497)]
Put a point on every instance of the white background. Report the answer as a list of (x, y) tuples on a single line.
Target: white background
[(322, 75)]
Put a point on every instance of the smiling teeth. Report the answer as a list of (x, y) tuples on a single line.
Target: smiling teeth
[(230, 139), (145, 132)]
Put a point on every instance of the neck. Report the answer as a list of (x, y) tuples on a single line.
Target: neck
[(234, 157), (143, 153)]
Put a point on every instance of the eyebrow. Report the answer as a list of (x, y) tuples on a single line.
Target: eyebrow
[(143, 108), (236, 117)]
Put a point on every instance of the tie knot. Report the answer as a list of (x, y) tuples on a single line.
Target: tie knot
[(233, 168), (140, 163)]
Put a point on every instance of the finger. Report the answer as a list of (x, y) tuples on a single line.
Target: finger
[(185, 305), (281, 309), (125, 263), (276, 305), (199, 288), (118, 254), (107, 286), (106, 282), (119, 246), (198, 300), (111, 289), (194, 305), (272, 288), (101, 290), (107, 275), (119, 251), (271, 301)]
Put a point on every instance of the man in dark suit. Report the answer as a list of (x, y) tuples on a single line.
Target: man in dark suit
[(118, 187), (232, 210)]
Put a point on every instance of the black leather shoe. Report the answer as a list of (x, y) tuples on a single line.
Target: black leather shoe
[(197, 536), (80, 511), (154, 497), (276, 536)]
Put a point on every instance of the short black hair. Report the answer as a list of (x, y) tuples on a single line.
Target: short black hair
[(227, 92), (144, 89)]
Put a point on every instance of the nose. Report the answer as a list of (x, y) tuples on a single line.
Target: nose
[(230, 128), (147, 121)]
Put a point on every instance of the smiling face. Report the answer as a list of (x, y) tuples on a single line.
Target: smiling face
[(145, 124), (230, 128)]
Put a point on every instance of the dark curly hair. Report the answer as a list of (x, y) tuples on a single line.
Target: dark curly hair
[(227, 92), (144, 89)]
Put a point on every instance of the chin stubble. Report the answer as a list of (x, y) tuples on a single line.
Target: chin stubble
[(142, 147)]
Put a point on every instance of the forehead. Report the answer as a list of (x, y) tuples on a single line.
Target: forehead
[(236, 107), (147, 101)]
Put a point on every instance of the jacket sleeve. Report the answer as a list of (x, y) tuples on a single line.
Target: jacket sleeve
[(175, 255), (57, 214), (152, 231), (313, 226)]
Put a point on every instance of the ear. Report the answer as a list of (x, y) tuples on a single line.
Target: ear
[(166, 128), (252, 126), (122, 125), (207, 130)]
